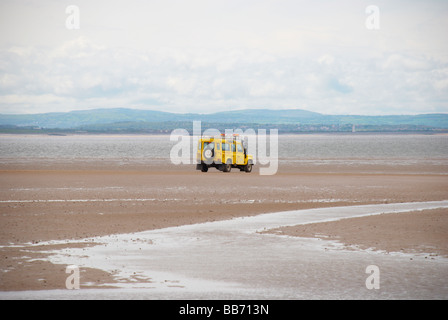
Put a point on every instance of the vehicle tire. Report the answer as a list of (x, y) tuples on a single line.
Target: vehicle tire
[(208, 154), (248, 167), (227, 167), (204, 168)]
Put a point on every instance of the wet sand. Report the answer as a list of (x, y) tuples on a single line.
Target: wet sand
[(79, 200), (424, 232)]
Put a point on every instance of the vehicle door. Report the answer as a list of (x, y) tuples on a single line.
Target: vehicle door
[(239, 154), (226, 151), (218, 152)]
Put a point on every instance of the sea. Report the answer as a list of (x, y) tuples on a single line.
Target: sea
[(311, 149)]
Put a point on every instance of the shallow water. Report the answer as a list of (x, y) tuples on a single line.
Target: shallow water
[(231, 260)]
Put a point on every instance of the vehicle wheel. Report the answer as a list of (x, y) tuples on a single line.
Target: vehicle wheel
[(227, 167), (248, 167), (204, 168), (208, 154)]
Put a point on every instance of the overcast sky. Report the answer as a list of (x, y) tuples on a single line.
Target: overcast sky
[(327, 56)]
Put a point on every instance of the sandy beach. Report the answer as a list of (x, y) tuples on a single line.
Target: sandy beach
[(79, 200)]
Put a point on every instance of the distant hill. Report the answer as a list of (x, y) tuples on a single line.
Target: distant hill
[(74, 119), (261, 116), (132, 119)]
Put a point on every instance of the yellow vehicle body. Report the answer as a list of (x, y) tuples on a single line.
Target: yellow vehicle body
[(223, 153)]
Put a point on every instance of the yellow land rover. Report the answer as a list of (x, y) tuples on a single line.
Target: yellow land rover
[(223, 153)]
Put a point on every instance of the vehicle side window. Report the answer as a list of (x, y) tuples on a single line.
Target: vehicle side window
[(233, 147), (240, 148), (225, 147), (218, 146)]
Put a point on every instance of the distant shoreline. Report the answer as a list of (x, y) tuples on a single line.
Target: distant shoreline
[(70, 133)]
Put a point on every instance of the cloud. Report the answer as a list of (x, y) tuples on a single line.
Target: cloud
[(81, 74), (326, 59), (339, 86), (403, 61), (203, 56)]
